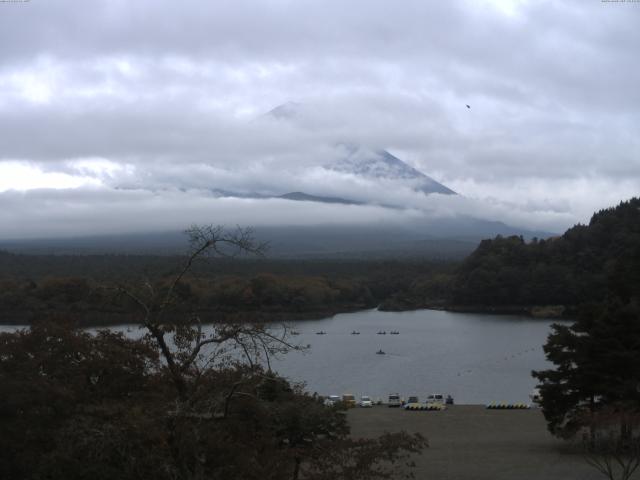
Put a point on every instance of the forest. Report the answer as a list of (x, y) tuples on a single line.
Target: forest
[(250, 288), (585, 264), (510, 275), (504, 274)]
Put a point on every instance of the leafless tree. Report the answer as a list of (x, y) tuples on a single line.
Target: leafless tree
[(612, 445), (186, 349), (222, 378)]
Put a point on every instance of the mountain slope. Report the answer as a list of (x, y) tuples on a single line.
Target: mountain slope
[(381, 164), (586, 264), (376, 164)]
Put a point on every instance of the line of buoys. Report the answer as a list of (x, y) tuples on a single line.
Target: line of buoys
[(425, 407), (508, 406), (494, 362)]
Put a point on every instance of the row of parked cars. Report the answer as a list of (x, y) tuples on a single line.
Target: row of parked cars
[(394, 400)]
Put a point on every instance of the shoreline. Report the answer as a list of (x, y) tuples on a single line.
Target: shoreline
[(112, 319), (560, 312)]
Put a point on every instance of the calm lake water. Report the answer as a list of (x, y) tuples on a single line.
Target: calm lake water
[(477, 358)]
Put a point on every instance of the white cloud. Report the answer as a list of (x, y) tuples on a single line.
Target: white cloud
[(21, 176), (127, 96), (99, 211)]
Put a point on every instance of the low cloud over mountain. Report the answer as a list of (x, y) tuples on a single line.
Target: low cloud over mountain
[(123, 116)]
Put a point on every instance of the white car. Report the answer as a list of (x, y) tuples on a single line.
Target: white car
[(535, 396), (366, 402), (435, 398), (332, 400)]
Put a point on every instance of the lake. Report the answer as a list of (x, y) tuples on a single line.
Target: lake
[(477, 358)]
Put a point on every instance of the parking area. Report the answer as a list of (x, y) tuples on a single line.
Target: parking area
[(472, 442)]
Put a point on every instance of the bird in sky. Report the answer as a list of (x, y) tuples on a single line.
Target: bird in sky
[(468, 106)]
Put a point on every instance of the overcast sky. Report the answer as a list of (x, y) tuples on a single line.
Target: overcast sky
[(122, 115)]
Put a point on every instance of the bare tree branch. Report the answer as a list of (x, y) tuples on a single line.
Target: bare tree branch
[(189, 342)]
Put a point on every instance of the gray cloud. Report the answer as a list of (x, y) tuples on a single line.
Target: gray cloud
[(95, 211), (169, 97)]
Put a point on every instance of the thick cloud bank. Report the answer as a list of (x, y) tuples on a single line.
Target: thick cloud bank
[(125, 116)]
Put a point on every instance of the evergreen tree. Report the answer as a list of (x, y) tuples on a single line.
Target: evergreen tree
[(597, 366)]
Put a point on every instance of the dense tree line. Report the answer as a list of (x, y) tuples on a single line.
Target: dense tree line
[(584, 264), (92, 302), (112, 267), (33, 286)]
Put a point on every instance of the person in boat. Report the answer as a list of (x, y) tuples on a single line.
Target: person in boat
[(380, 352)]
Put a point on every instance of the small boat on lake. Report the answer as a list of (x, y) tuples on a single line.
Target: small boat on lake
[(355, 333), (382, 332), (394, 332), (321, 332), (380, 352)]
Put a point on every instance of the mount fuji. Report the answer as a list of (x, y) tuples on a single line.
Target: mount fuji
[(382, 165), (389, 184), (360, 162)]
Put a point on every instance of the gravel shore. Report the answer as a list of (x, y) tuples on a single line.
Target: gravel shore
[(471, 442)]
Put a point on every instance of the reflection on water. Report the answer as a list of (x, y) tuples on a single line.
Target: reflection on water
[(477, 358)]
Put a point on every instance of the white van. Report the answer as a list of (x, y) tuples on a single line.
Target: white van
[(435, 398), (394, 400)]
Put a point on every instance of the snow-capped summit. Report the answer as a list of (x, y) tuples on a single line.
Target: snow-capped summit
[(380, 164), (376, 164)]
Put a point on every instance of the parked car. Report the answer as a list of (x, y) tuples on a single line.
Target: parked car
[(436, 398), (349, 400), (366, 401), (332, 400), (535, 396), (413, 399), (394, 400)]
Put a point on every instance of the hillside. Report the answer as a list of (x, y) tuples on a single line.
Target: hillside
[(546, 277), (587, 263)]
